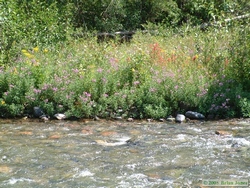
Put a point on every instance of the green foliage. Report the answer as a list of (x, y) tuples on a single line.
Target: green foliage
[(42, 23), (222, 98), (245, 107), (239, 65), (154, 76), (31, 22)]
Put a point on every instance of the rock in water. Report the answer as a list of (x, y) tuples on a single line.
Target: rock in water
[(194, 115), (180, 118), (115, 141), (38, 112), (60, 116)]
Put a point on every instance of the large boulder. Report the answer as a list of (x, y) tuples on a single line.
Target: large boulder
[(37, 111), (194, 115)]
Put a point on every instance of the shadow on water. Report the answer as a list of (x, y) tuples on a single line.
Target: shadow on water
[(121, 154)]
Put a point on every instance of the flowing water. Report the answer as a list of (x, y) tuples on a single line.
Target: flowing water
[(121, 154)]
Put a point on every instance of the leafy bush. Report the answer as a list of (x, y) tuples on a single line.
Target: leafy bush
[(223, 97), (33, 23), (245, 107), (239, 64)]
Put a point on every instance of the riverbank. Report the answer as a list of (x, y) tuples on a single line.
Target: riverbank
[(152, 76)]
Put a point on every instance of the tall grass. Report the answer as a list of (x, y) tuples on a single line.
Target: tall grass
[(153, 76)]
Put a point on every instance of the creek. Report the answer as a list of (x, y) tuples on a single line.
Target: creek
[(122, 154)]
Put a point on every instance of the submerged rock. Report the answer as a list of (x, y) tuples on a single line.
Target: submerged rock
[(194, 115), (222, 133), (180, 118), (115, 141), (105, 143)]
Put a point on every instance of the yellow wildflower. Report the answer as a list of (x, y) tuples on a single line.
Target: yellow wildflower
[(133, 70), (24, 51), (27, 54), (36, 49), (45, 50), (15, 71), (2, 102)]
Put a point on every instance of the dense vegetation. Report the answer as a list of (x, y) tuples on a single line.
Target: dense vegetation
[(50, 58)]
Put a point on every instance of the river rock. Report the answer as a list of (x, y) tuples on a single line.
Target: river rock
[(161, 119), (60, 116), (44, 118), (222, 133), (96, 118), (170, 118), (116, 141), (118, 118), (194, 115), (130, 119), (38, 112), (180, 118)]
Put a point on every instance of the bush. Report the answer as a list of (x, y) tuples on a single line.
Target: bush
[(245, 107), (33, 23), (239, 64)]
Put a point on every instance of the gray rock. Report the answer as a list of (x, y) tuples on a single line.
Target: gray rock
[(118, 118), (96, 118), (194, 115), (38, 112), (180, 118), (116, 141), (130, 119), (44, 118), (60, 116), (170, 119), (149, 120)]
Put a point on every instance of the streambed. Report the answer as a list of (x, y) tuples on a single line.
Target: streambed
[(122, 154)]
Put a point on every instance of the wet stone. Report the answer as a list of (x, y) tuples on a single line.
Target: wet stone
[(86, 131), (25, 133), (180, 118), (55, 136), (108, 133), (171, 119), (194, 115), (60, 116), (222, 133), (130, 119), (5, 169)]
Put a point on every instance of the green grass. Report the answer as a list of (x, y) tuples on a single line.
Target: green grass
[(152, 77)]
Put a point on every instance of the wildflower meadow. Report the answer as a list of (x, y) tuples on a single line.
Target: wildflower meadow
[(152, 76)]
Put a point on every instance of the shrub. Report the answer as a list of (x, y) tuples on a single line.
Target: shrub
[(245, 107)]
